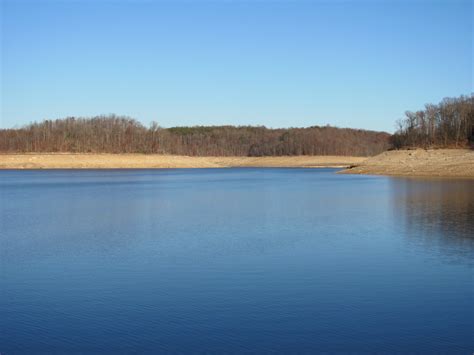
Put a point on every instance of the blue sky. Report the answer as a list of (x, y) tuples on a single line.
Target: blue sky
[(275, 63)]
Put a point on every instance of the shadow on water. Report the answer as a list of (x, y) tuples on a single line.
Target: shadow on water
[(436, 214)]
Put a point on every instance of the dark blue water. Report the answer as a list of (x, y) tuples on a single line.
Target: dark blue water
[(234, 260)]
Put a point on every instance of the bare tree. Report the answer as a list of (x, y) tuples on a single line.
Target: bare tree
[(118, 134), (448, 124)]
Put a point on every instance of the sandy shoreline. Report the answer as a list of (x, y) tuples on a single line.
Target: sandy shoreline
[(446, 163), (455, 163), (154, 161)]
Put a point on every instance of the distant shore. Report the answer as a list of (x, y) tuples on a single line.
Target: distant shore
[(455, 163), (155, 161), (447, 163)]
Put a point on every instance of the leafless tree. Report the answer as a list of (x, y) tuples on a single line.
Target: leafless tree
[(448, 124), (117, 134)]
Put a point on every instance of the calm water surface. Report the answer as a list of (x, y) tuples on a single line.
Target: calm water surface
[(234, 260)]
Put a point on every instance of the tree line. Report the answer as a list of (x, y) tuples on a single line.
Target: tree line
[(119, 134), (447, 124)]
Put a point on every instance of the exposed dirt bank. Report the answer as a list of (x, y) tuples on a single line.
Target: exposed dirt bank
[(457, 163), (138, 161)]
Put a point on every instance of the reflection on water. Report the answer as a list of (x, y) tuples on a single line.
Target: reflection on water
[(437, 214), (234, 260)]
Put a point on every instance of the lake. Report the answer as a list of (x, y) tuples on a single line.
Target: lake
[(234, 260)]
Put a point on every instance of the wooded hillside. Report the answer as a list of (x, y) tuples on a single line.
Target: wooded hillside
[(116, 134), (449, 124)]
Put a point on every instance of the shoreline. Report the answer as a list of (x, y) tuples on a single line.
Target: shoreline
[(37, 161), (426, 163), (433, 163)]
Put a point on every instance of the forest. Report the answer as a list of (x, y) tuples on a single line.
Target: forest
[(118, 134), (449, 124)]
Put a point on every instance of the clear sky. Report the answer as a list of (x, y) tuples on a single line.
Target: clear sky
[(275, 63)]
